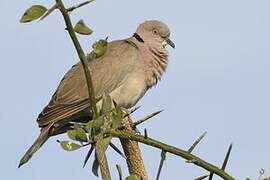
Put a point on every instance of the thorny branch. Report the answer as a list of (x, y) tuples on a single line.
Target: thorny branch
[(170, 149)]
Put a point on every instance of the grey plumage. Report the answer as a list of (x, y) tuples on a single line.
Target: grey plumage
[(126, 71)]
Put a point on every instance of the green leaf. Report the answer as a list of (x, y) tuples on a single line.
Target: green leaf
[(82, 28), (100, 48), (69, 146), (88, 126), (72, 134), (106, 105), (97, 123), (131, 177), (117, 117), (78, 134), (78, 125), (33, 13), (81, 135), (95, 166)]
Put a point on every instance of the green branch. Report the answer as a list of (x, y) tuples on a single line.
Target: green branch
[(104, 168), (170, 149), (82, 56)]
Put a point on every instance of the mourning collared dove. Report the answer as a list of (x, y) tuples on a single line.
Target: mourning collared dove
[(126, 71)]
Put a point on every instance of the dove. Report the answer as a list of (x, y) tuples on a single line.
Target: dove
[(126, 71)]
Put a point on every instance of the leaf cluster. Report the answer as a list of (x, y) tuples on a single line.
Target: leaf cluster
[(84, 134)]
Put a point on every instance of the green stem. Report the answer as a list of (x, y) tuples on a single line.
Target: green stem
[(82, 56), (170, 149), (102, 159), (92, 100)]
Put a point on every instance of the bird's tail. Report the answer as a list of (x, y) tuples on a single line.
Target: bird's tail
[(42, 138)]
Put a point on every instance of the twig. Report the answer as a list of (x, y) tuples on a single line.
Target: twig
[(162, 159), (197, 142), (146, 118), (79, 5), (170, 149)]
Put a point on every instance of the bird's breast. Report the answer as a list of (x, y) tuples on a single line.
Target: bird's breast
[(131, 90)]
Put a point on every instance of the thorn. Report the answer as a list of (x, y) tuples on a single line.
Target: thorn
[(20, 164), (145, 133), (146, 118), (134, 109), (95, 166), (162, 159), (78, 6), (197, 142), (201, 177), (88, 156), (114, 103), (226, 158), (118, 167), (131, 111), (211, 176), (117, 150)]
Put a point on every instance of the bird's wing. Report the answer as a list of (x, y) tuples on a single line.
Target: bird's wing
[(108, 72)]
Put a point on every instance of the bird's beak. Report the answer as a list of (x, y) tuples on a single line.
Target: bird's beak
[(170, 42)]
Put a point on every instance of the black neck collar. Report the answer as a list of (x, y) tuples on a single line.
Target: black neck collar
[(138, 37)]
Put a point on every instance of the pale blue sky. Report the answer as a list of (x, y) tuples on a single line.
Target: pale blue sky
[(217, 81)]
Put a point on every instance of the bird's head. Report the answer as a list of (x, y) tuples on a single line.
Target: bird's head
[(154, 31)]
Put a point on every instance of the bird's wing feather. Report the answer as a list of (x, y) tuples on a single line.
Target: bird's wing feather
[(108, 72)]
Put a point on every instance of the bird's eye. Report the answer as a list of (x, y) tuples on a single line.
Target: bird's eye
[(155, 31)]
